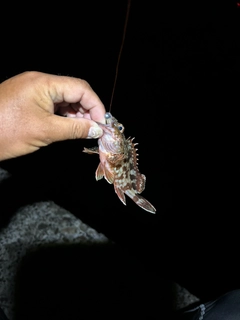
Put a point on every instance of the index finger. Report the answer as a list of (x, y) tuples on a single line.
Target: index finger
[(74, 90)]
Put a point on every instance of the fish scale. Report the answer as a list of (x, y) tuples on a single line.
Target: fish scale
[(119, 163)]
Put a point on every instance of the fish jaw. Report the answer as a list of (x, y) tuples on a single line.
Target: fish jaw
[(106, 128)]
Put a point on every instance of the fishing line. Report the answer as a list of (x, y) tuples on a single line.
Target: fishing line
[(120, 52)]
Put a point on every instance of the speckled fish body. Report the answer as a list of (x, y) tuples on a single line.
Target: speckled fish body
[(119, 163)]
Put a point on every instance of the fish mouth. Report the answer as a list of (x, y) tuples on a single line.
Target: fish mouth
[(104, 127), (101, 125)]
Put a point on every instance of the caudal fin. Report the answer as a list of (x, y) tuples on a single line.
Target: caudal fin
[(140, 201)]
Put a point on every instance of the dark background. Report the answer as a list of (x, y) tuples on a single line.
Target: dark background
[(177, 93)]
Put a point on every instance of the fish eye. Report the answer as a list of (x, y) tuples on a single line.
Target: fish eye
[(121, 128)]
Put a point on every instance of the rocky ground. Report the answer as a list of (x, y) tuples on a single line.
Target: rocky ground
[(47, 225)]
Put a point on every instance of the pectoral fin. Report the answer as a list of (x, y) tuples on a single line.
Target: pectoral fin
[(99, 172), (109, 176), (91, 150), (102, 171)]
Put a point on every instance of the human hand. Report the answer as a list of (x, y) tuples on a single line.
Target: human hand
[(31, 108)]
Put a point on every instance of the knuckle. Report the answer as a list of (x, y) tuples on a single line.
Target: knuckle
[(76, 131), (85, 84)]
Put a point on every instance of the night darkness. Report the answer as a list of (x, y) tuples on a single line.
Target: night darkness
[(177, 93)]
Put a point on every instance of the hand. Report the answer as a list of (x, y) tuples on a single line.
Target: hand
[(32, 106)]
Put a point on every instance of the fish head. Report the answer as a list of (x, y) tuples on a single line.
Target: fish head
[(112, 126), (113, 135)]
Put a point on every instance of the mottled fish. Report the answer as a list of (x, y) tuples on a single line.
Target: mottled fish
[(119, 163)]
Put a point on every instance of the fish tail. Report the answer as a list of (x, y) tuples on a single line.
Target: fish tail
[(140, 201)]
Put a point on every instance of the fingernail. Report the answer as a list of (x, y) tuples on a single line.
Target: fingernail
[(94, 132)]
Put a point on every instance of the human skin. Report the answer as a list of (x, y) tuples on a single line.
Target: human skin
[(37, 109)]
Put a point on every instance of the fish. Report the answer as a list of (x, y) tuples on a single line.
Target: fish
[(119, 163)]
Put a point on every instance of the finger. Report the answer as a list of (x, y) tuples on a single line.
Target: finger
[(73, 110), (59, 128), (74, 90)]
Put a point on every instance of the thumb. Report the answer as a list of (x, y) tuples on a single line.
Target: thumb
[(63, 128)]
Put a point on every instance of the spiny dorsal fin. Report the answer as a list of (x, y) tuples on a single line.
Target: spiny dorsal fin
[(140, 178)]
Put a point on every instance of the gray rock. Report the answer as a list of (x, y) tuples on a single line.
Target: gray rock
[(42, 224)]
